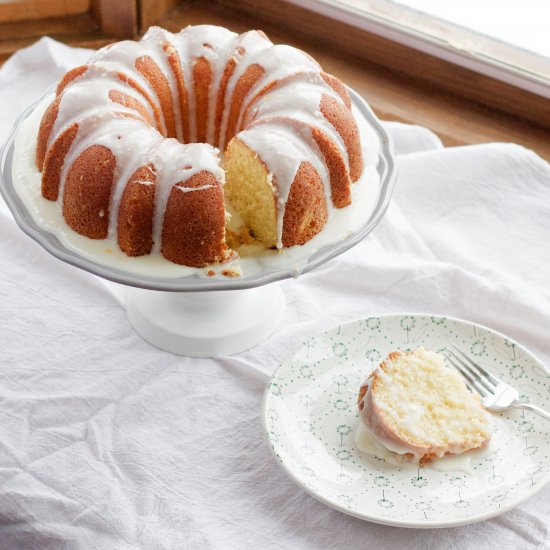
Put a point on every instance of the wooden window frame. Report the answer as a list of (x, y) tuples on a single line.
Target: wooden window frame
[(368, 38), (401, 83), (403, 58), (445, 40)]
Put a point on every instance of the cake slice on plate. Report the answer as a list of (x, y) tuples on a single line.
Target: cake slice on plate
[(415, 406)]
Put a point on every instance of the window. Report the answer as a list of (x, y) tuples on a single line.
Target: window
[(506, 41)]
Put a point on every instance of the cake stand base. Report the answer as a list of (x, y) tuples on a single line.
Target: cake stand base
[(206, 324)]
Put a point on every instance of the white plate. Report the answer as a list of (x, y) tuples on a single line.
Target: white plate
[(310, 417)]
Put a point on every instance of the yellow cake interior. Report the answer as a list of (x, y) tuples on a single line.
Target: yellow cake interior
[(426, 403), (248, 188)]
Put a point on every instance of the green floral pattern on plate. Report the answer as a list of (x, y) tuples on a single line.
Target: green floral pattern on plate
[(310, 418)]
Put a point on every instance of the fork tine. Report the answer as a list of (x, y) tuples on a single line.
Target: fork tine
[(472, 384), (484, 371), (486, 384)]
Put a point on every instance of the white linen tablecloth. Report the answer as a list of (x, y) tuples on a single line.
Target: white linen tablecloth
[(109, 443)]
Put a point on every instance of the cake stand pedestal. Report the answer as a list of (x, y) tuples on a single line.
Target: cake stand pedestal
[(206, 324)]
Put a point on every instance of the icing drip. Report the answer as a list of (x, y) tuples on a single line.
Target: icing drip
[(159, 38), (293, 97), (175, 164), (88, 97), (122, 57), (132, 148), (282, 147), (247, 46), (215, 44)]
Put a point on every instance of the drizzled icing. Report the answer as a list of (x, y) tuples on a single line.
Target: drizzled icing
[(122, 57), (179, 164), (48, 216), (215, 45), (89, 98), (408, 417), (246, 45), (277, 124), (293, 98), (283, 146), (368, 444)]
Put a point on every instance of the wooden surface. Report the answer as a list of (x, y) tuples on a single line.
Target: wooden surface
[(393, 95), (151, 11), (117, 18), (78, 30), (26, 10)]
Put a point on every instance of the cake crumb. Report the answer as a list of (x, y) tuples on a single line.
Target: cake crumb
[(210, 273), (231, 273)]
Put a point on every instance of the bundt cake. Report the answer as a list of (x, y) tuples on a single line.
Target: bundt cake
[(129, 144), (415, 406)]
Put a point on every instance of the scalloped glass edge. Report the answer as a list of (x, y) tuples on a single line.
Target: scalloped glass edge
[(386, 168)]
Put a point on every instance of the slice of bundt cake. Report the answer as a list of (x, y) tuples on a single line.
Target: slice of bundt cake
[(283, 210), (124, 146), (416, 406)]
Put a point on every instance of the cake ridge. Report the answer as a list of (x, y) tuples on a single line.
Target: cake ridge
[(303, 89), (89, 96), (122, 57)]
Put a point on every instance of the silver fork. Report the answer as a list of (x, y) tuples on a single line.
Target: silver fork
[(496, 394)]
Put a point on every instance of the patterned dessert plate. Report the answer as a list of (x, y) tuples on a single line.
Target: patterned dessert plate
[(310, 417)]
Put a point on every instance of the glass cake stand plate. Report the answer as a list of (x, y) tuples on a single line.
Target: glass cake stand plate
[(192, 315), (310, 418)]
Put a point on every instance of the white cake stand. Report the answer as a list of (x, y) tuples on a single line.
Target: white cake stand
[(206, 324), (197, 316)]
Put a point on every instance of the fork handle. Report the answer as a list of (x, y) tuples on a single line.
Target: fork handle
[(531, 407)]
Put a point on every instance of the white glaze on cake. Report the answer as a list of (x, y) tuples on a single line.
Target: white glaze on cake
[(277, 125), (213, 43), (283, 147), (369, 445), (254, 259), (292, 99), (417, 408)]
